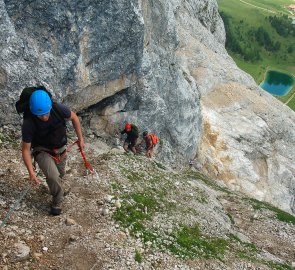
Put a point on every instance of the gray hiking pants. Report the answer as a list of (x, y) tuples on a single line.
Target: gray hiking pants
[(53, 172)]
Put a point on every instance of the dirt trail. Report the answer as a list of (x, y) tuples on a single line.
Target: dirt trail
[(268, 10)]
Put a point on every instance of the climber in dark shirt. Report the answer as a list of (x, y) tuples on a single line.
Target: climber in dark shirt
[(132, 136), (44, 133)]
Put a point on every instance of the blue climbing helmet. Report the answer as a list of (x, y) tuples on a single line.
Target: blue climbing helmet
[(40, 103)]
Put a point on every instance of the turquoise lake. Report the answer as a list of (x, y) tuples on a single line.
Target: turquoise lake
[(277, 83)]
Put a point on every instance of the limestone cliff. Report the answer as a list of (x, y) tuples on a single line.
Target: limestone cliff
[(162, 65)]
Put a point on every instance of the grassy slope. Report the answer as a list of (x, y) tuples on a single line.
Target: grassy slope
[(255, 17)]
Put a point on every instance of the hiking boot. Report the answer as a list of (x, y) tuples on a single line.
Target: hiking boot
[(55, 211)]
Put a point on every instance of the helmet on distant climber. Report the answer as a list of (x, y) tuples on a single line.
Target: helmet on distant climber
[(128, 126), (145, 133), (40, 103)]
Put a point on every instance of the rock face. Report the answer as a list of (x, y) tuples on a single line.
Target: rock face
[(162, 65), (81, 50), (250, 143)]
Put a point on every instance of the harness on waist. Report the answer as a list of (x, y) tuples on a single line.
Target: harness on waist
[(54, 153)]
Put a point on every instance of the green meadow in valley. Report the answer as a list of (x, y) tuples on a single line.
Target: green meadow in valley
[(260, 36)]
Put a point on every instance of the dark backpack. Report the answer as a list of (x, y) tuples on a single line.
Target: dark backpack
[(23, 104)]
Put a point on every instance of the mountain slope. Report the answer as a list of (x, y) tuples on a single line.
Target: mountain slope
[(138, 214)]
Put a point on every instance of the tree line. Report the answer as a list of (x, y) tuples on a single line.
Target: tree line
[(249, 41), (283, 25)]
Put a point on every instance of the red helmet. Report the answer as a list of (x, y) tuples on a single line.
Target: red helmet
[(128, 126)]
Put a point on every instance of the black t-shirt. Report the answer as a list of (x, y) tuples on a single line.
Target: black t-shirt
[(50, 134)]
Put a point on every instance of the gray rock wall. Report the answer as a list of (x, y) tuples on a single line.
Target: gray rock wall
[(83, 51), (87, 51)]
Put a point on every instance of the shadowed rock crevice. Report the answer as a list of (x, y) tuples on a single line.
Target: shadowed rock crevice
[(107, 116), (122, 101)]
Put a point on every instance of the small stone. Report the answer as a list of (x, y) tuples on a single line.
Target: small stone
[(149, 243), (41, 238), (109, 198), (105, 211), (73, 238), (11, 235), (22, 251), (100, 202), (117, 204), (70, 222), (122, 235), (243, 237), (37, 255), (45, 249)]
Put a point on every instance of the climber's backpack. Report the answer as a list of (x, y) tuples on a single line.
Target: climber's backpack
[(154, 139), (23, 104)]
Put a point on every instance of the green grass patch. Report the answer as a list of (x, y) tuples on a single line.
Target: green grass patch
[(159, 165), (129, 155), (144, 201), (137, 256), (202, 197), (135, 210), (133, 176), (279, 266), (291, 103), (281, 215), (246, 251), (189, 242), (232, 221), (116, 186), (249, 246), (136, 214), (193, 174)]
